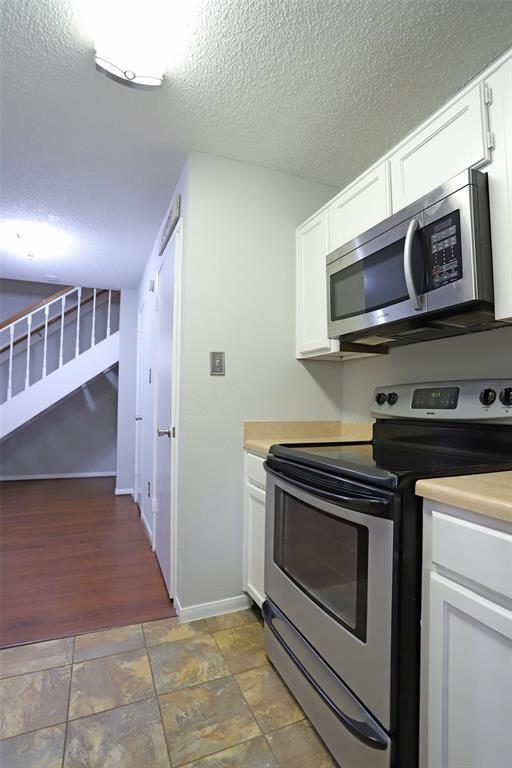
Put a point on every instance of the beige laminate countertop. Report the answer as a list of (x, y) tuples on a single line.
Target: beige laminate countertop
[(260, 435), (489, 494)]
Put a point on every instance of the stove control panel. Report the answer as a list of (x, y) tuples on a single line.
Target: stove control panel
[(470, 400)]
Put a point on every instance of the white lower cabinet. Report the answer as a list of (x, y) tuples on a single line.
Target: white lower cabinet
[(254, 529), (470, 686), (467, 645)]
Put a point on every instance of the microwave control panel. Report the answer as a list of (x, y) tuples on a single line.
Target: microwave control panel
[(444, 250)]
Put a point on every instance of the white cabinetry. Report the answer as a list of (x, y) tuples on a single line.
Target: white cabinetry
[(470, 706), (455, 138), (500, 186), (466, 640), (312, 249), (474, 130), (361, 205), (254, 528)]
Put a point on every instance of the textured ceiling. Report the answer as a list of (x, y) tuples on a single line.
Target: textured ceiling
[(316, 88)]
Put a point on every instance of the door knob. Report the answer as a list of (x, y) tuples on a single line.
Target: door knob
[(138, 418), (164, 431)]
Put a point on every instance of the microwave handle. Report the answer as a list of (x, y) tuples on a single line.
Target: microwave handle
[(409, 278)]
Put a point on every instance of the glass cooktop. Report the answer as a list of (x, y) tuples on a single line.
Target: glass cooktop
[(400, 462)]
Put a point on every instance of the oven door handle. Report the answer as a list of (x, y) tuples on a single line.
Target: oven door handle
[(363, 731), (368, 506)]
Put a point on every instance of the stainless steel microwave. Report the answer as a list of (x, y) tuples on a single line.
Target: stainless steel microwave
[(423, 273)]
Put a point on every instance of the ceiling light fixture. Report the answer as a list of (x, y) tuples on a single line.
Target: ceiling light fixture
[(130, 39), (126, 76), (31, 239)]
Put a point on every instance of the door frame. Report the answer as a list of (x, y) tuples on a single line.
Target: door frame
[(139, 389), (176, 407)]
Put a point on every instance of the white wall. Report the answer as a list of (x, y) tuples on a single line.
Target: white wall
[(78, 436), (238, 297), (476, 355), (16, 295), (126, 393)]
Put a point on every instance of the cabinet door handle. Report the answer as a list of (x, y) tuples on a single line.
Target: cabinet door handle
[(164, 431)]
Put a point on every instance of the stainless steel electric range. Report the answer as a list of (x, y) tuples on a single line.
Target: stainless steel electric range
[(343, 560)]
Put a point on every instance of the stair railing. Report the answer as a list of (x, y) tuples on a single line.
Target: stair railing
[(62, 297)]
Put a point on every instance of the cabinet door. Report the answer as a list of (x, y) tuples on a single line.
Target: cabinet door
[(311, 286), (470, 679), (363, 204), (255, 543), (500, 187), (454, 139)]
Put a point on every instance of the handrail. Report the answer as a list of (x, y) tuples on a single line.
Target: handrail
[(55, 319), (27, 318), (35, 307)]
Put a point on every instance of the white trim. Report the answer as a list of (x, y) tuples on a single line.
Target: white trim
[(123, 491), (176, 403), (147, 529), (5, 478), (215, 608)]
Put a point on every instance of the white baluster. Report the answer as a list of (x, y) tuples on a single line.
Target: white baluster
[(108, 312), (11, 343), (63, 305), (79, 301), (27, 370), (93, 332), (45, 344)]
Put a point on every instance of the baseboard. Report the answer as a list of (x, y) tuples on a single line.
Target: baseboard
[(147, 530), (123, 491), (215, 608), (57, 476)]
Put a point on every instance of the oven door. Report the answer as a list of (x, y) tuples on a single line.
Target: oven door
[(329, 569), (376, 283)]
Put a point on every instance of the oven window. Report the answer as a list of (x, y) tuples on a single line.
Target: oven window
[(375, 282), (326, 556)]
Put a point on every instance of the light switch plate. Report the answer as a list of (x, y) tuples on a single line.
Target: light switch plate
[(217, 364)]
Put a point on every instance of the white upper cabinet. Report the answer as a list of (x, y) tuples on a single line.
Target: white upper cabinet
[(312, 250), (361, 205), (455, 138)]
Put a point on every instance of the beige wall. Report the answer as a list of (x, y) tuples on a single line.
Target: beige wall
[(239, 298)]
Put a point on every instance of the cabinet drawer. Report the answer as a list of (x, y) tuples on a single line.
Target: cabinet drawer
[(255, 470), (481, 554)]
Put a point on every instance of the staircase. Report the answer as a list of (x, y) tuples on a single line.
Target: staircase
[(54, 347)]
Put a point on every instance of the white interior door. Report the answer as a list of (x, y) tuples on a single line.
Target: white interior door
[(139, 411), (164, 408)]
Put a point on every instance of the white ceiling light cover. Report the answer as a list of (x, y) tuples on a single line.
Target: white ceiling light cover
[(130, 38), (34, 239)]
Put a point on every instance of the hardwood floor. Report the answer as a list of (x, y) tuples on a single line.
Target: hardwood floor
[(73, 558)]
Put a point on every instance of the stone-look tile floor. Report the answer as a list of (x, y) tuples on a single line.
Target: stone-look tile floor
[(199, 694)]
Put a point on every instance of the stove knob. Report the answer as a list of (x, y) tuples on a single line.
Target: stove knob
[(487, 396), (380, 398), (506, 396), (392, 398)]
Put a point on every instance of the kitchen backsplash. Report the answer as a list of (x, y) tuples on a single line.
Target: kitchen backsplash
[(476, 355)]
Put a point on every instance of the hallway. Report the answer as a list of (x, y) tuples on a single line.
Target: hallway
[(74, 558)]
